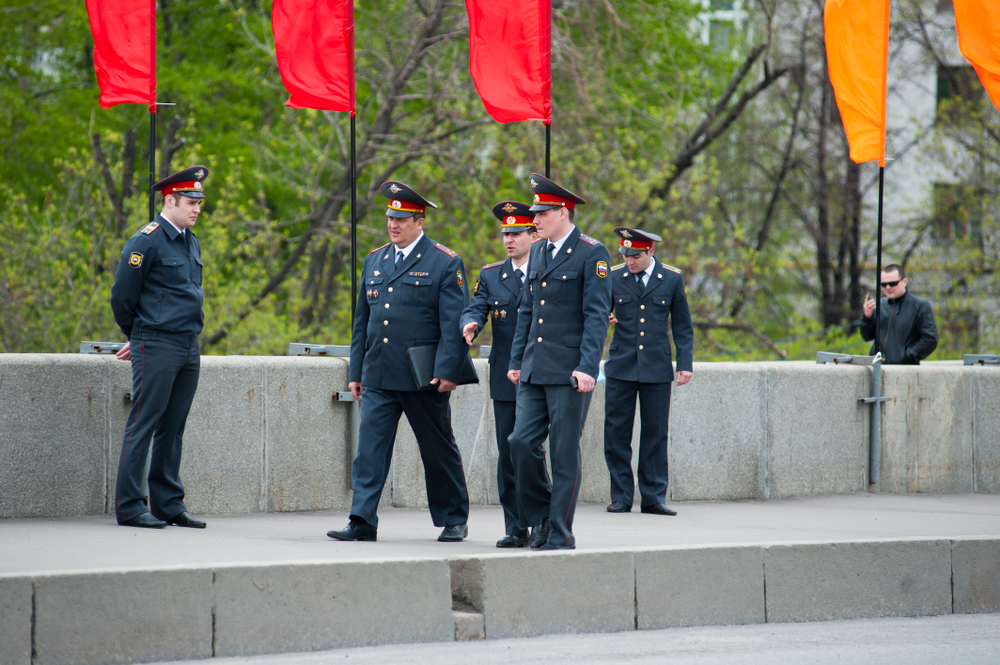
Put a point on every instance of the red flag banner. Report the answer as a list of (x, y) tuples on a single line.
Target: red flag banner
[(124, 51), (314, 45), (978, 24), (857, 55), (510, 49)]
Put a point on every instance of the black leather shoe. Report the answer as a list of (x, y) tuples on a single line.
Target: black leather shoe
[(550, 546), (512, 541), (455, 533), (658, 509), (539, 535), (183, 519), (145, 521), (355, 530), (619, 507)]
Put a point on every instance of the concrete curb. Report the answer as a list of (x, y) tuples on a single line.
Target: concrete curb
[(121, 617)]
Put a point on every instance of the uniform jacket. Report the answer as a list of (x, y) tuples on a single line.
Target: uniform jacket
[(496, 297), (417, 303), (640, 339), (563, 320), (157, 292), (908, 330)]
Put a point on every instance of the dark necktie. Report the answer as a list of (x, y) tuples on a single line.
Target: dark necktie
[(552, 250), (520, 277), (399, 257), (638, 281)]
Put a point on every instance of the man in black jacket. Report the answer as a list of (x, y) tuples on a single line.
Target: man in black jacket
[(907, 331)]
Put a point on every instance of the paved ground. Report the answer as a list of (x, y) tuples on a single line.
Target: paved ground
[(952, 639), (97, 543)]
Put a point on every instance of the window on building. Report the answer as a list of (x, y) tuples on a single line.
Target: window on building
[(958, 87), (957, 213), (721, 21)]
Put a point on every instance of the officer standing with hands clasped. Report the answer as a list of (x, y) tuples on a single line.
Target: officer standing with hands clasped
[(555, 359), (412, 294), (645, 293), (497, 296), (157, 300)]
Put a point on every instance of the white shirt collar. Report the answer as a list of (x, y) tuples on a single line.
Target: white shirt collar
[(180, 231), (559, 243), (523, 267)]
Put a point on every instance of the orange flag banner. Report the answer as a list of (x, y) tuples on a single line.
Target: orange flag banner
[(857, 56), (978, 25)]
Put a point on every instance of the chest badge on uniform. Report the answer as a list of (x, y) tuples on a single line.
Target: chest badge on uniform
[(461, 282), (135, 259), (375, 294), (602, 269), (377, 273), (503, 314)]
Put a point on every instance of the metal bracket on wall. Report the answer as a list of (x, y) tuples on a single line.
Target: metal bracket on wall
[(825, 357), (974, 359), (332, 350), (101, 347)]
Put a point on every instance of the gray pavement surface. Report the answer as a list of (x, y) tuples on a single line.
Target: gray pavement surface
[(96, 543), (952, 639)]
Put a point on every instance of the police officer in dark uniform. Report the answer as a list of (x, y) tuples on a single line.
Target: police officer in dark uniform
[(497, 295), (413, 292), (156, 300), (555, 359), (645, 293)]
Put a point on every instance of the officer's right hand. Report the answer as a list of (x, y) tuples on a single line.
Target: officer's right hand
[(355, 387), (469, 332), (869, 306), (612, 319), (125, 353), (515, 376)]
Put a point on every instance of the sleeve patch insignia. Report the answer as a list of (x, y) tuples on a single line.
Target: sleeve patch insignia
[(461, 282), (149, 228), (602, 269), (135, 259), (475, 289)]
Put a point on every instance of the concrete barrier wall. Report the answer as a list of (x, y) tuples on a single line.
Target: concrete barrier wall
[(181, 613), (265, 434)]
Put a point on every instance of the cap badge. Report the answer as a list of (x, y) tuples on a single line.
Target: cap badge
[(396, 204), (199, 174), (537, 198), (394, 189), (509, 208), (625, 234), (197, 184), (626, 243), (511, 219), (534, 183)]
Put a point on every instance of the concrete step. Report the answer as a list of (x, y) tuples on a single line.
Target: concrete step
[(84, 590)]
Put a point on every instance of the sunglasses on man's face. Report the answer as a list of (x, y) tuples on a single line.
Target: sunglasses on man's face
[(891, 284)]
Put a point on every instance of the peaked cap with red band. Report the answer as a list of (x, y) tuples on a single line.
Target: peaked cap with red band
[(635, 241), (550, 195), (403, 201), (186, 182), (514, 216)]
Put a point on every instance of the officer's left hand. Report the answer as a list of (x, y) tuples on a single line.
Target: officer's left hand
[(125, 353), (683, 377), (585, 382), (444, 385)]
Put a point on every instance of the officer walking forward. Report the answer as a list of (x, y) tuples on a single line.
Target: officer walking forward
[(497, 296), (156, 300), (412, 294), (645, 293), (555, 359)]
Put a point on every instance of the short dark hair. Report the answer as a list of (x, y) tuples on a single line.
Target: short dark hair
[(572, 213), (897, 268)]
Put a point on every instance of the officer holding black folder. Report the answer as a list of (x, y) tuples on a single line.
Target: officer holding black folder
[(413, 291)]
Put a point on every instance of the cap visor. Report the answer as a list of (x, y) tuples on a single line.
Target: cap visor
[(191, 195), (516, 229), (399, 214), (538, 207), (629, 252)]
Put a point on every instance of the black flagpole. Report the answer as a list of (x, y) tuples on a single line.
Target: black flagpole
[(152, 161), (878, 261), (354, 224), (548, 146)]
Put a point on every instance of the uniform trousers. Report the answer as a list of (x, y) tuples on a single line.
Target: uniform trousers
[(556, 411), (164, 380), (513, 515), (654, 413), (429, 415)]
